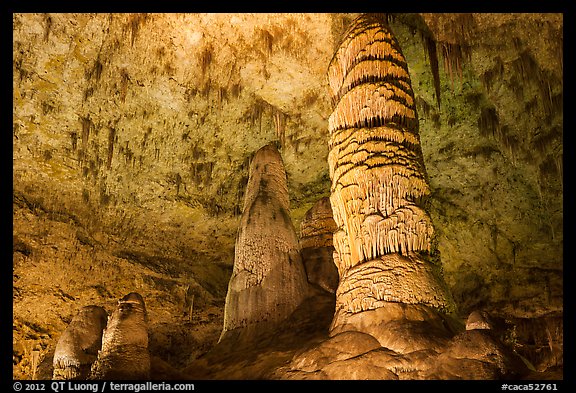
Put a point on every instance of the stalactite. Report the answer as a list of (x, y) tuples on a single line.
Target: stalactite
[(267, 41), (526, 66), (86, 126), (496, 72), (235, 90), (221, 96), (74, 140), (111, 139), (47, 27), (456, 31), (279, 125), (490, 127), (124, 80), (454, 56), (378, 178), (205, 59), (135, 22), (488, 122), (254, 113), (96, 70), (430, 48)]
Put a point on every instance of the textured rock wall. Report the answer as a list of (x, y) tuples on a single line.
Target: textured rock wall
[(268, 280)]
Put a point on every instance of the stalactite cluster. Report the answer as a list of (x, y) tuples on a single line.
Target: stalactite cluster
[(431, 51), (384, 237), (454, 56), (279, 125), (455, 32)]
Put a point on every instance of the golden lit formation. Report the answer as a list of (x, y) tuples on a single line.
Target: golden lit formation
[(384, 241)]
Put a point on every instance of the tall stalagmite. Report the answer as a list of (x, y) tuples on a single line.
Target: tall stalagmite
[(388, 266), (268, 279)]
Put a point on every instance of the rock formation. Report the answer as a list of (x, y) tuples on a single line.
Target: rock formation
[(475, 354), (124, 353), (78, 346), (478, 320), (317, 246), (268, 279), (394, 317), (388, 266)]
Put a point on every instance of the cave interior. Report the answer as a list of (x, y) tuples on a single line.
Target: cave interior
[(152, 152)]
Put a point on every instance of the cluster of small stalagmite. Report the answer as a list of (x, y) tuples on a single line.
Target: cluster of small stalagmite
[(268, 280), (384, 240), (317, 245), (98, 346)]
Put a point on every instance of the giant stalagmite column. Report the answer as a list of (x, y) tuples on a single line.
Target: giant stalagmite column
[(384, 242), (268, 279)]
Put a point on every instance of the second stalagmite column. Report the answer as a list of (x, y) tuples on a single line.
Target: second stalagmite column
[(268, 280), (384, 242)]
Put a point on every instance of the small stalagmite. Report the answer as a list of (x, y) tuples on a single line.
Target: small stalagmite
[(78, 346), (124, 354), (268, 279), (317, 245), (384, 239), (478, 320)]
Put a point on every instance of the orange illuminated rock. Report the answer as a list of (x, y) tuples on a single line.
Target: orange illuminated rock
[(78, 346)]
